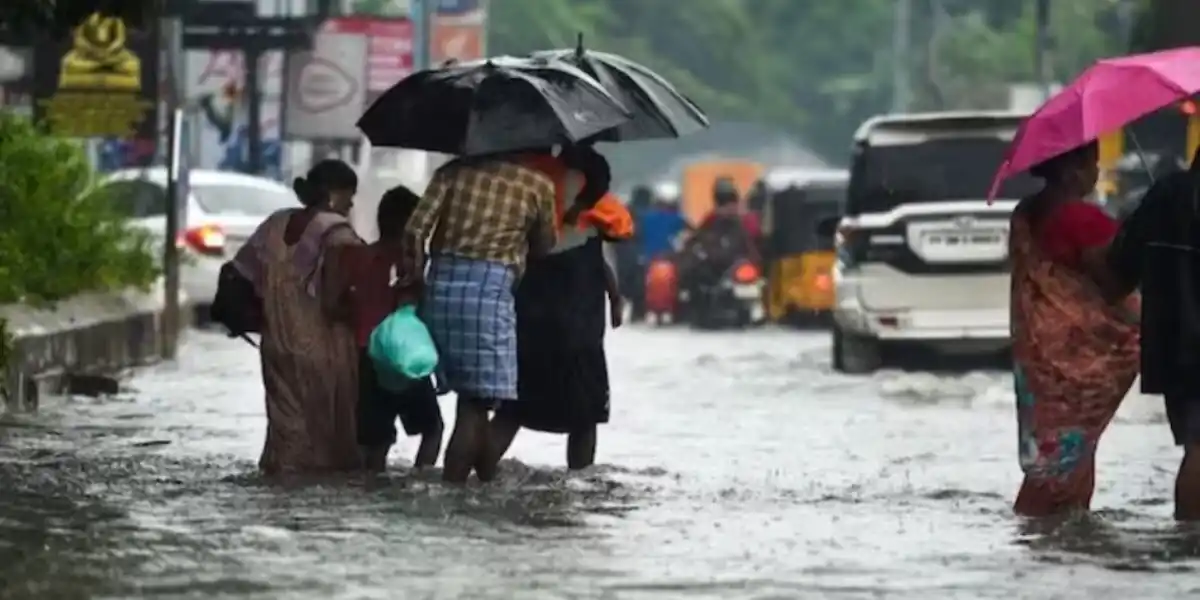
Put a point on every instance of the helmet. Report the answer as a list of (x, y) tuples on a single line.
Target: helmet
[(725, 192), (666, 192)]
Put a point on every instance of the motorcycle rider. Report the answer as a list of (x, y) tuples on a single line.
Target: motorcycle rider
[(659, 224), (728, 234), (729, 219)]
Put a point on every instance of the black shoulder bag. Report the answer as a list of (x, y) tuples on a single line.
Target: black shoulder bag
[(237, 306)]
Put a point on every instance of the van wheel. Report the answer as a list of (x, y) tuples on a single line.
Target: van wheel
[(854, 354)]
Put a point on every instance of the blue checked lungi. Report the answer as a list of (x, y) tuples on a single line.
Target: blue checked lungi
[(471, 314)]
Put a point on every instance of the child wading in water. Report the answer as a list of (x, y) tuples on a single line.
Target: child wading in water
[(388, 275)]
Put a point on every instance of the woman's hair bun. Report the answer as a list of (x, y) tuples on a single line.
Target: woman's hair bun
[(303, 190)]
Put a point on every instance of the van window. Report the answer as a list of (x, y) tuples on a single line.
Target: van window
[(882, 177)]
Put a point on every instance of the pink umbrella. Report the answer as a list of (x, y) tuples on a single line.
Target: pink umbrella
[(1109, 95)]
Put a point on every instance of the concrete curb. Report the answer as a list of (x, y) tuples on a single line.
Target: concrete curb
[(82, 344)]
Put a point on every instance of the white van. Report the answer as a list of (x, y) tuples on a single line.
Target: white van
[(922, 256)]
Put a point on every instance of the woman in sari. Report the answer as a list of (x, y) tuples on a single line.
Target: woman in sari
[(1075, 352), (309, 355)]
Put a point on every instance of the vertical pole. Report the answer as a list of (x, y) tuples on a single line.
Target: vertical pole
[(486, 7), (1126, 16), (254, 141), (171, 30), (1193, 139), (1041, 58), (901, 51), (422, 12)]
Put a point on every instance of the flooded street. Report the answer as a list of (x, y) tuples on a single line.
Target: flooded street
[(736, 466)]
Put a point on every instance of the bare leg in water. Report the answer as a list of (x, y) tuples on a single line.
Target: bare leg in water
[(581, 445), (1183, 414), (502, 431), (469, 439), (427, 452), (581, 448), (1046, 497), (1187, 485)]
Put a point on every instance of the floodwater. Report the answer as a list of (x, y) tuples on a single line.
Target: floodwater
[(738, 466)]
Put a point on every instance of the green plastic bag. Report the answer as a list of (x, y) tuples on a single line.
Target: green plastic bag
[(402, 350)]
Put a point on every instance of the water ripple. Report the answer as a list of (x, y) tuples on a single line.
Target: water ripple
[(737, 466)]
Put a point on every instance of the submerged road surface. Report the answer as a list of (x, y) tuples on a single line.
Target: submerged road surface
[(737, 466)]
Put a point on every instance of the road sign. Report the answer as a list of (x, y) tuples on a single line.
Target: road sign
[(322, 85), (327, 86)]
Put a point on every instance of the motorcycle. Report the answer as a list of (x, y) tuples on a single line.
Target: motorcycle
[(735, 299)]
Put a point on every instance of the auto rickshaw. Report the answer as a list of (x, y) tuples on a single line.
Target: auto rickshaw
[(799, 259)]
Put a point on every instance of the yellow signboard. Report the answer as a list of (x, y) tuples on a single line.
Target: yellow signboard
[(104, 83)]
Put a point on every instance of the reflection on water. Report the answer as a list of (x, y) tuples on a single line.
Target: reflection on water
[(747, 470)]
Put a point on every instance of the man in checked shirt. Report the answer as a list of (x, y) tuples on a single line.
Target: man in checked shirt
[(486, 216)]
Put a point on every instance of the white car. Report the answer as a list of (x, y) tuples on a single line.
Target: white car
[(223, 209), (922, 257)]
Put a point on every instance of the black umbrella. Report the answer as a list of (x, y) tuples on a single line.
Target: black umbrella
[(659, 110), (495, 105)]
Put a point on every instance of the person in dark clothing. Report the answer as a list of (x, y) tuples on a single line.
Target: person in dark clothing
[(561, 322), (1158, 250), (384, 276), (563, 312), (726, 235)]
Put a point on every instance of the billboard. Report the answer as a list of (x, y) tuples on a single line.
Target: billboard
[(327, 87), (353, 62)]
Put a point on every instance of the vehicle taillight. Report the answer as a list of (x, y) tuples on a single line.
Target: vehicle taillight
[(746, 273), (822, 282), (205, 239)]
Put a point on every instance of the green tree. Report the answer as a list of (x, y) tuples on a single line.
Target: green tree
[(1165, 24), (813, 68), (970, 61), (61, 236)]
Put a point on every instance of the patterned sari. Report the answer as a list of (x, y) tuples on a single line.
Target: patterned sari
[(1075, 359), (309, 358)]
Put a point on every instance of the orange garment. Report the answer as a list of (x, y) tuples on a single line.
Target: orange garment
[(609, 216), (662, 285), (558, 172)]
